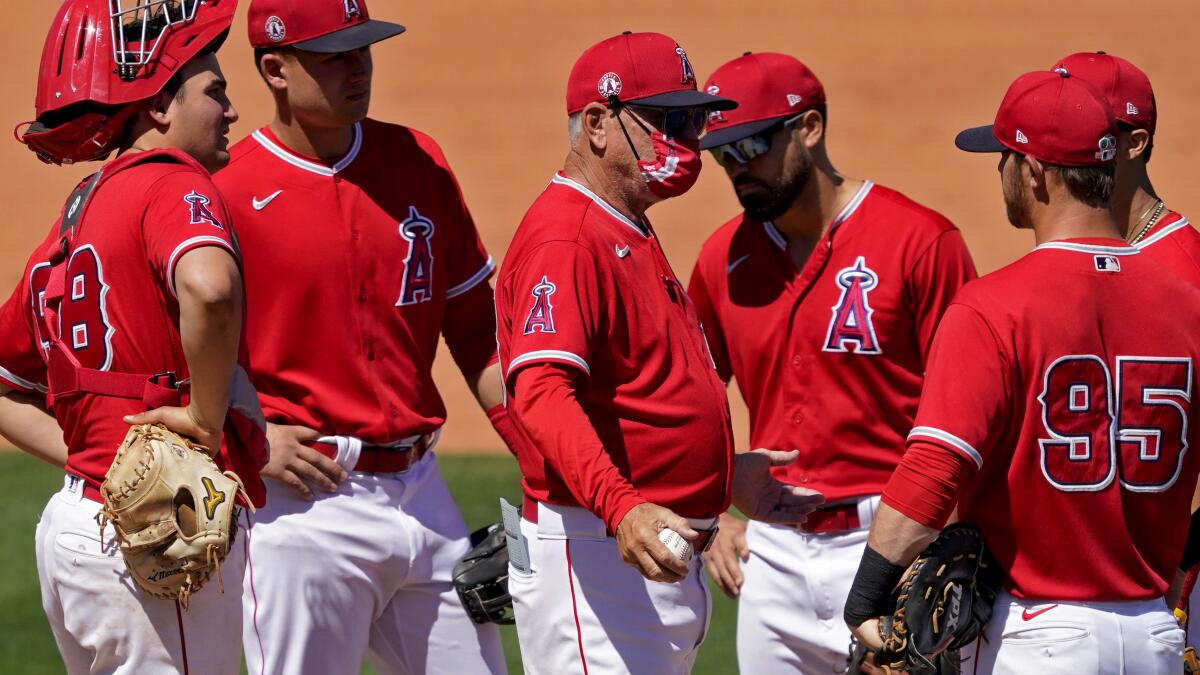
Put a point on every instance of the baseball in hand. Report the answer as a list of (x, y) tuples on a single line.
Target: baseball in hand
[(680, 548)]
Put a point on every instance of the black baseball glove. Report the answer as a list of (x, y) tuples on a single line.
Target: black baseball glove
[(942, 603), (481, 577)]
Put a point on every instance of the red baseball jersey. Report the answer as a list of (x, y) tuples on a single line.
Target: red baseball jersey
[(830, 358), (585, 287), (119, 312), (1068, 380), (1175, 244), (350, 270)]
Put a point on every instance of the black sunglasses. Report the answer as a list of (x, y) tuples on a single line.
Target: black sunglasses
[(743, 150), (673, 122)]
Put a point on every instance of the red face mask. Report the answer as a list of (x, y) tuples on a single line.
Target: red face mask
[(676, 165)]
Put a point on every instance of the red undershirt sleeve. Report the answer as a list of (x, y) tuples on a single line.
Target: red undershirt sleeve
[(549, 412), (926, 485), (469, 327)]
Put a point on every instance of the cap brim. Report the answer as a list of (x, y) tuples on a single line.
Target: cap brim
[(348, 39), (686, 98), (737, 132), (978, 139)]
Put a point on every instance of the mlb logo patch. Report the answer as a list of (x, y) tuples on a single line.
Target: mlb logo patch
[(1107, 263)]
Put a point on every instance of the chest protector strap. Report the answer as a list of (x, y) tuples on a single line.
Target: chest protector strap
[(67, 377)]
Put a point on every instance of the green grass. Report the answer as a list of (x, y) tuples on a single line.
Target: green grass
[(27, 647)]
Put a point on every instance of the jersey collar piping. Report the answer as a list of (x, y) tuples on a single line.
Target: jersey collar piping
[(847, 211), (1161, 234), (308, 165), (560, 179), (1088, 248)]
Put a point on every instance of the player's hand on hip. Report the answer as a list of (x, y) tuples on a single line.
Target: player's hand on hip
[(725, 557), (637, 539), (298, 465), (761, 497), (183, 421)]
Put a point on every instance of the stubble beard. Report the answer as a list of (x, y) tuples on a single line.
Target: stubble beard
[(779, 197)]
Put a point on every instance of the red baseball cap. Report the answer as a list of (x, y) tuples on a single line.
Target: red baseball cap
[(322, 26), (1124, 85), (1052, 116), (648, 69), (768, 87)]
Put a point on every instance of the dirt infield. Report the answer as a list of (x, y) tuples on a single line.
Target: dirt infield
[(487, 80)]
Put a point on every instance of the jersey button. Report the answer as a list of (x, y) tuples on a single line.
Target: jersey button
[(370, 354), (796, 360), (798, 418), (362, 295), (354, 235)]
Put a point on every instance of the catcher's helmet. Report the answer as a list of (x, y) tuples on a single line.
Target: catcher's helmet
[(102, 55)]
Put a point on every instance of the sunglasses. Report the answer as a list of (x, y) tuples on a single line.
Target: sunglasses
[(743, 150), (674, 122)]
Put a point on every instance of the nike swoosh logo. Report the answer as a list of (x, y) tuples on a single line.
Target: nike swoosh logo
[(1028, 615), (621, 252), (260, 204), (733, 265)]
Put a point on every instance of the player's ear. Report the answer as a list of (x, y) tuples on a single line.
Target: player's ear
[(811, 127), (594, 117), (1136, 142), (158, 108), (271, 66)]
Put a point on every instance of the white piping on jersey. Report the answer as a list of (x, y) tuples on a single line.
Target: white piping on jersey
[(302, 163), (1158, 236), (20, 381), (474, 281), (194, 242), (949, 439), (563, 180), (548, 354), (847, 211), (1088, 248)]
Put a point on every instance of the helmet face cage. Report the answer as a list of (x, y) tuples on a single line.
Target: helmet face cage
[(139, 29)]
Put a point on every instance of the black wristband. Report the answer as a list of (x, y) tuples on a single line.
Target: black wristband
[(871, 594), (1191, 550)]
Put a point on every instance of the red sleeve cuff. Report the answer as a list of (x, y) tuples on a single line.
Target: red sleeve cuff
[(926, 485)]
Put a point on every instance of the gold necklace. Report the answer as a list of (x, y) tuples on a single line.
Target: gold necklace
[(1158, 210)]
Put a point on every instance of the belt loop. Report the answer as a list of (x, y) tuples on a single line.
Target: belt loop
[(349, 449), (866, 511)]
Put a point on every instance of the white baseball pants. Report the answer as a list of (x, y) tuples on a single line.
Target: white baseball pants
[(1098, 638), (581, 610), (103, 623), (794, 594), (364, 572)]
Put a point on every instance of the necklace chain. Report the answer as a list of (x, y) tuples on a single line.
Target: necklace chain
[(1158, 210)]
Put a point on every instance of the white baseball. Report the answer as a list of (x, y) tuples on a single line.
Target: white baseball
[(680, 548)]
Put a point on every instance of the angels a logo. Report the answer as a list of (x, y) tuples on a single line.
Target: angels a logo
[(541, 316), (352, 10), (200, 213), (686, 75), (609, 85), (851, 323), (418, 265), (275, 29), (714, 115)]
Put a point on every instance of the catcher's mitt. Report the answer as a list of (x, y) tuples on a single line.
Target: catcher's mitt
[(942, 603), (1191, 664), (172, 509), (481, 577)]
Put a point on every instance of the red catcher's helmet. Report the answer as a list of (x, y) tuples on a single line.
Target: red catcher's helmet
[(102, 55)]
